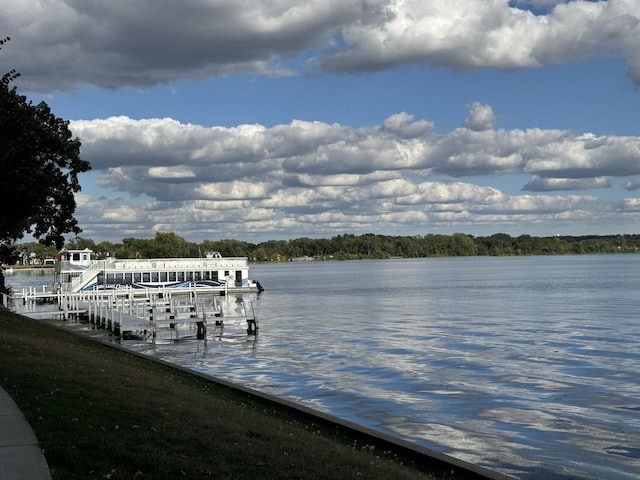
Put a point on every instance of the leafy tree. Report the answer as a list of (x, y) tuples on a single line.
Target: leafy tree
[(41, 251), (133, 248), (170, 245), (232, 248), (436, 245), (260, 255), (208, 246), (80, 243), (498, 244), (276, 249), (104, 248), (40, 162), (462, 245), (8, 77)]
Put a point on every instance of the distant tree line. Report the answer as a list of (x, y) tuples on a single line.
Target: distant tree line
[(351, 247)]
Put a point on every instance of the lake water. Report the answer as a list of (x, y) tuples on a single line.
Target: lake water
[(525, 365)]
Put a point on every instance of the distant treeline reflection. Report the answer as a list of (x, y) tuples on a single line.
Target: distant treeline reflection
[(349, 246)]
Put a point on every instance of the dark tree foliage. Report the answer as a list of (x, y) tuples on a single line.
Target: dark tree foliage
[(11, 75), (39, 167)]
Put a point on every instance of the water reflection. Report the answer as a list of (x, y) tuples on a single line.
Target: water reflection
[(526, 365)]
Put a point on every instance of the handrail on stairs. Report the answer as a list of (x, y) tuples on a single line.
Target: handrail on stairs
[(87, 275)]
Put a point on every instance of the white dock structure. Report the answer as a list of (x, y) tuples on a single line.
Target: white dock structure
[(142, 312), (142, 295)]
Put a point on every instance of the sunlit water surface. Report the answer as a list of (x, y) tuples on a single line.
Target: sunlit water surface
[(526, 365)]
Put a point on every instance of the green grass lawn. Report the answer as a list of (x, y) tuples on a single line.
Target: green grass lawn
[(100, 413)]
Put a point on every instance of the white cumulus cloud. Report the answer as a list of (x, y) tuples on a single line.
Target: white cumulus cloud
[(64, 45), (299, 178)]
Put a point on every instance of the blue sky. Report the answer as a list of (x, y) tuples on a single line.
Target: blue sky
[(277, 120)]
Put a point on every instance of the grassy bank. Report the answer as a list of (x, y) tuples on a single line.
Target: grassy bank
[(101, 413)]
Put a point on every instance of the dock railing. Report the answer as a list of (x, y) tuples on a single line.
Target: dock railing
[(79, 282), (139, 310)]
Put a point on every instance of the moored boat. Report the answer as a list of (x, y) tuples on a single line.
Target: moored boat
[(77, 270)]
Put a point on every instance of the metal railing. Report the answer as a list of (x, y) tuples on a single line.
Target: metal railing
[(87, 275)]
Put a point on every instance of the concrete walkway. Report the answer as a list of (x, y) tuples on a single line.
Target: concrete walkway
[(21, 457)]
